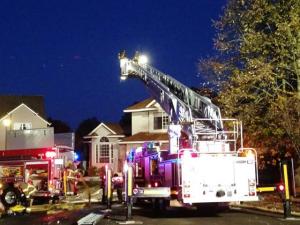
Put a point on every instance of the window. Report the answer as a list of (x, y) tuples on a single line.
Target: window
[(157, 123), (165, 122), (104, 150), (22, 126), (161, 121)]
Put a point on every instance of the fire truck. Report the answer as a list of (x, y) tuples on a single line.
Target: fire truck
[(28, 172), (205, 161)]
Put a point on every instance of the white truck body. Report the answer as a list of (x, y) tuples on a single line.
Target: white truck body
[(218, 178)]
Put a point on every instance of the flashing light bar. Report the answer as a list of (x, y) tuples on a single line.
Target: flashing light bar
[(50, 154)]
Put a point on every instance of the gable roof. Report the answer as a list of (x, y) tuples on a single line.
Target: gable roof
[(114, 128), (142, 137), (10, 102), (24, 105), (146, 105)]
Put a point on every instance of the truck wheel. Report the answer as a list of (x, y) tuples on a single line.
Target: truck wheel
[(10, 196)]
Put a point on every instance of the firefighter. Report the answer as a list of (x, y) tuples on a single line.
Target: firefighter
[(22, 196), (118, 186), (71, 177), (30, 189), (78, 178)]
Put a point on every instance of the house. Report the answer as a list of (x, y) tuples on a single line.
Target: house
[(23, 124), (103, 145), (23, 127), (149, 123), (108, 144)]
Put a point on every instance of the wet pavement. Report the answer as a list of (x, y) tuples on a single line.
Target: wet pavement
[(146, 215), (64, 217), (273, 203), (73, 208)]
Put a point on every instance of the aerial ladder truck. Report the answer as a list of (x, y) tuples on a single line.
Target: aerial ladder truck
[(206, 161)]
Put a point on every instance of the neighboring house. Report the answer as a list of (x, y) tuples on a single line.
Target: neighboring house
[(23, 126), (22, 123), (103, 145)]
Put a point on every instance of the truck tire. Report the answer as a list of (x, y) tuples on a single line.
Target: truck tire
[(10, 197)]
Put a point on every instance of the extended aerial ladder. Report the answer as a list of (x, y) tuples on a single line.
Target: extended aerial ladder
[(179, 101), (196, 114), (212, 145)]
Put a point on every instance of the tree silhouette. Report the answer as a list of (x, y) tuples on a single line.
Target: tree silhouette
[(83, 129), (59, 126)]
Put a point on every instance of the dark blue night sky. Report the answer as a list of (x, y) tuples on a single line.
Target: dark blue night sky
[(67, 50)]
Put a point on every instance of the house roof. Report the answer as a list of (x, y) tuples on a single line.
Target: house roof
[(10, 102), (145, 105), (24, 105), (114, 128), (146, 136)]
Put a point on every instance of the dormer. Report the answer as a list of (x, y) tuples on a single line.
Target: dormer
[(148, 116)]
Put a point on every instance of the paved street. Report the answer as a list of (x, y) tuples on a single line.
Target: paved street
[(147, 216)]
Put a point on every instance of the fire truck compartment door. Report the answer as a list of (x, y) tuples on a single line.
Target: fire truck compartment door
[(216, 178)]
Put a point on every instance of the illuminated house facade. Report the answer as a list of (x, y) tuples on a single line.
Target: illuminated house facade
[(22, 123), (23, 127), (103, 144)]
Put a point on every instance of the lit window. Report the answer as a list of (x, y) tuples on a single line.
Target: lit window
[(104, 150), (161, 121), (22, 126), (165, 122)]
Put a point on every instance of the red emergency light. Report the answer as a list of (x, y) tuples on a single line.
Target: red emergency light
[(280, 187), (50, 154), (188, 153)]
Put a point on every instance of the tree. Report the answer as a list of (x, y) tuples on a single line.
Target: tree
[(59, 126), (84, 128), (257, 68), (125, 123), (205, 91)]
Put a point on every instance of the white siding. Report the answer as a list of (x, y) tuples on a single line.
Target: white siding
[(22, 114), (2, 136), (113, 144), (140, 122)]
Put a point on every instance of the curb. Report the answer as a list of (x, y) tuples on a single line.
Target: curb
[(263, 209), (56, 207)]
